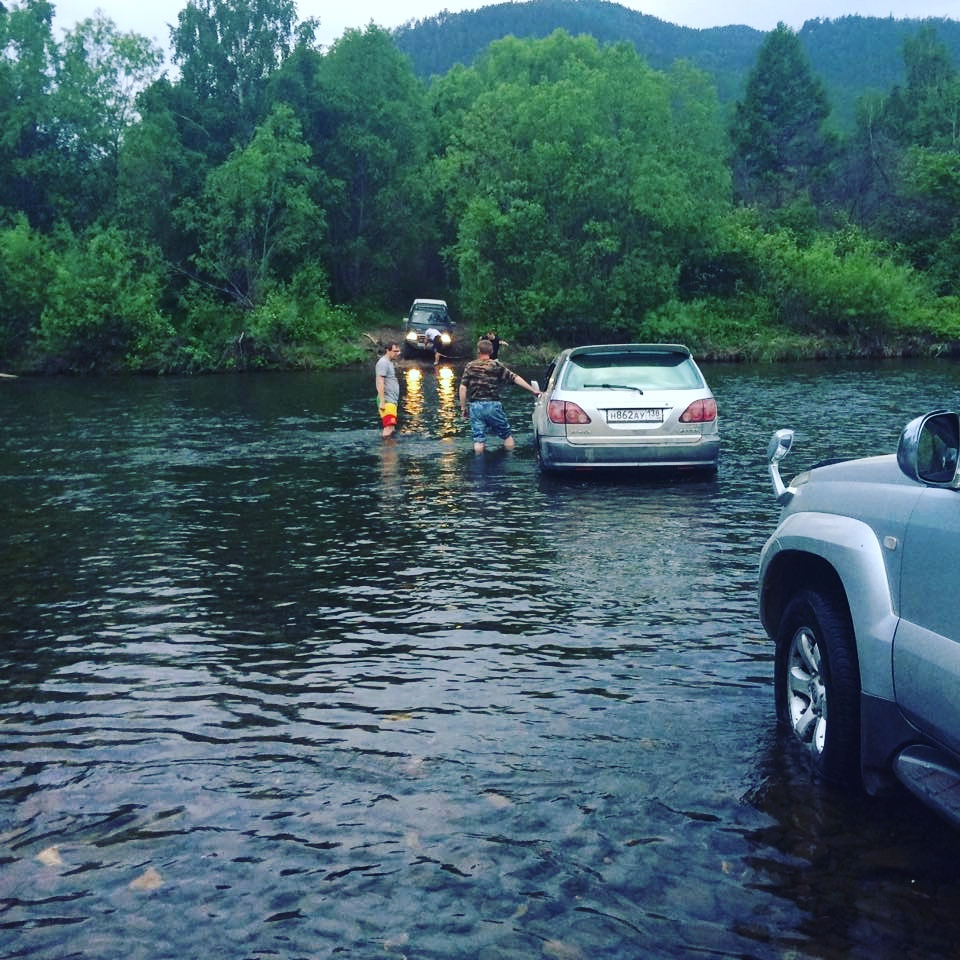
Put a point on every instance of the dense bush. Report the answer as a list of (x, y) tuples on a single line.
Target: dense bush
[(298, 326), (840, 285), (101, 310), (27, 265)]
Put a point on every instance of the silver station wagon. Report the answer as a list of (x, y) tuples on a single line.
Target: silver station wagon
[(858, 591), (626, 405)]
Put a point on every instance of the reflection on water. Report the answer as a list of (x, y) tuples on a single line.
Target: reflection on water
[(429, 405), (448, 404), (413, 400), (271, 686)]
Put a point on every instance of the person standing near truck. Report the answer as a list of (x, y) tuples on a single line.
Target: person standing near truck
[(497, 343), (388, 388), (480, 389), (434, 339)]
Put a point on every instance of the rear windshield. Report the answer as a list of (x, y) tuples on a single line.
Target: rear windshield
[(648, 371)]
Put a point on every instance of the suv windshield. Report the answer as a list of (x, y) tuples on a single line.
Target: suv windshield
[(425, 318)]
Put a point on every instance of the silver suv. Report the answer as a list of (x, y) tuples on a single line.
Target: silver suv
[(857, 591)]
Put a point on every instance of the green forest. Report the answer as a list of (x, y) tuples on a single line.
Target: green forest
[(262, 201)]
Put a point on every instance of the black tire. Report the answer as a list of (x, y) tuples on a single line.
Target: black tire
[(817, 681)]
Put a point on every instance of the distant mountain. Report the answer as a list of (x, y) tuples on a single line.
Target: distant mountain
[(852, 55)]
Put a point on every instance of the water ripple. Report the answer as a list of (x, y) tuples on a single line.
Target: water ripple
[(269, 687)]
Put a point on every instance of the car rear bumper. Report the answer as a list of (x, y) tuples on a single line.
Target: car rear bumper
[(557, 453)]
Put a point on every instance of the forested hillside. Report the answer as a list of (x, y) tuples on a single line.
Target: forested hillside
[(435, 44), (268, 200), (853, 55)]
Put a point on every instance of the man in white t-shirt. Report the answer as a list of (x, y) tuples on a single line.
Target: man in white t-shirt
[(433, 338)]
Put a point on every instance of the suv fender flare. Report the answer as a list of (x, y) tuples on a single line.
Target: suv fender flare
[(841, 555)]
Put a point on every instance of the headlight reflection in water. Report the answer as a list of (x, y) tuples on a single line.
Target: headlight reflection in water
[(417, 406), (447, 400)]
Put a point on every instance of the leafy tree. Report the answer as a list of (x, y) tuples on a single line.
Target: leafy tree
[(926, 110), (101, 74), (31, 161), (862, 183), (840, 285), (26, 270), (207, 331), (63, 112), (907, 146), (101, 310), (296, 325), (572, 190), (256, 219), (928, 225), (373, 137), (569, 220), (227, 50), (155, 174), (780, 147)]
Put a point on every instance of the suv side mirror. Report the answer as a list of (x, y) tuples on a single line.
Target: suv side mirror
[(929, 449), (778, 447)]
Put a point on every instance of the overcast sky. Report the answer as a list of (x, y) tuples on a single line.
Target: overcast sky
[(151, 17)]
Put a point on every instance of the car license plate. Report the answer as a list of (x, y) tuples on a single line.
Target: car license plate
[(635, 415)]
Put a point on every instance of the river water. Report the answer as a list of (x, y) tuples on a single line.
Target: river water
[(271, 687)]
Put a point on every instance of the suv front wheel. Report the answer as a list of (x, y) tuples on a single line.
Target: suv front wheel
[(817, 682)]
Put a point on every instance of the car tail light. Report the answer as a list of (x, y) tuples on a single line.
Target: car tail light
[(563, 411), (700, 411)]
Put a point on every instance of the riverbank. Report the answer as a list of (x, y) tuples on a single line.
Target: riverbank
[(779, 348), (759, 345)]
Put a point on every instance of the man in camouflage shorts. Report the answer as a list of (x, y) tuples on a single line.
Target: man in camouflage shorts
[(480, 388)]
